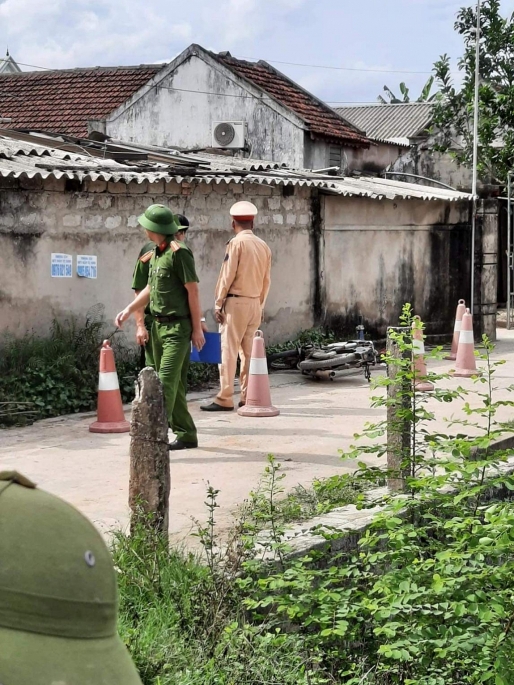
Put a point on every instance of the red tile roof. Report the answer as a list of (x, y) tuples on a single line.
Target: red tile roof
[(63, 101), (321, 119)]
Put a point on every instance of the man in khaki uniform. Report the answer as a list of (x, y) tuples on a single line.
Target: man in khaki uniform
[(241, 293)]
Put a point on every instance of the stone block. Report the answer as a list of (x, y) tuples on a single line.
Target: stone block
[(113, 222), (29, 219), (96, 186), (237, 188), (288, 203), (105, 201), (38, 200), (6, 219), (156, 188), (94, 221), (31, 183), (273, 203), (84, 201), (265, 190), (197, 201), (202, 220), (204, 188), (116, 188), (72, 220), (278, 219), (138, 188), (221, 188), (213, 202), (125, 203), (54, 185), (304, 220), (187, 188), (172, 188), (263, 219), (291, 220), (132, 221)]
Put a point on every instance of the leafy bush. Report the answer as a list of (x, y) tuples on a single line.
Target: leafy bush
[(426, 599), (183, 621), (42, 377)]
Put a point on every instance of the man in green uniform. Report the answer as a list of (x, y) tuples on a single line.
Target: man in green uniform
[(144, 319), (173, 296)]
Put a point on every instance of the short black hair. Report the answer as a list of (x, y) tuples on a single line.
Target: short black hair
[(183, 222)]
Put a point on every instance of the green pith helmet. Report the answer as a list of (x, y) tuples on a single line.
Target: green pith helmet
[(58, 596), (159, 219)]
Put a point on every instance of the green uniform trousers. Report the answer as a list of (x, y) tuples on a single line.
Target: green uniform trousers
[(171, 349), (147, 351)]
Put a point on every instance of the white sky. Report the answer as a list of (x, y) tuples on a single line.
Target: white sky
[(362, 34)]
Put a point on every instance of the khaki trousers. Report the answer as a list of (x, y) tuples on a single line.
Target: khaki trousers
[(243, 317)]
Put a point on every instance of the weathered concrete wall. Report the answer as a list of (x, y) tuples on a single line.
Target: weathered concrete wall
[(183, 117), (423, 160), (100, 219), (381, 254), (375, 159)]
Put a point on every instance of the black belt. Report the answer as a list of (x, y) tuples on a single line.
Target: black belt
[(169, 319)]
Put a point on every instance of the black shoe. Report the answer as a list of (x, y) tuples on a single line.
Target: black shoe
[(179, 445), (242, 404), (215, 407)]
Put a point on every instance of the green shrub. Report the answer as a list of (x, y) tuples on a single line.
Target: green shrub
[(42, 377), (426, 597), (183, 621)]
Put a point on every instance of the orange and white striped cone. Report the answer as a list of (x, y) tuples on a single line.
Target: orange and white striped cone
[(110, 416), (461, 308), (466, 365), (419, 367), (258, 396)]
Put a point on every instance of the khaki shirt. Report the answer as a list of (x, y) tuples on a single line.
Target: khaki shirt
[(246, 269)]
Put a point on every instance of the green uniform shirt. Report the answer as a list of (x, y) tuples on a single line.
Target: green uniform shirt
[(170, 269), (141, 270)]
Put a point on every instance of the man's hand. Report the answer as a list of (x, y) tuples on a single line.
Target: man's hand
[(142, 335), (219, 316), (122, 317), (198, 339), (205, 328)]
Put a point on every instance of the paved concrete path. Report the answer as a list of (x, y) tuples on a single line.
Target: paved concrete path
[(317, 420)]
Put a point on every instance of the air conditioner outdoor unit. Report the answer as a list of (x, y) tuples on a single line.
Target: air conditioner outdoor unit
[(228, 134)]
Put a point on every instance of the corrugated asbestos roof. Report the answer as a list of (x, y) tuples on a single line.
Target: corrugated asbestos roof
[(390, 123), (27, 159)]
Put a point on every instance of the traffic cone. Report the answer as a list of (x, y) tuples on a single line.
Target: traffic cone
[(258, 397), (466, 365), (419, 366), (110, 416), (461, 308)]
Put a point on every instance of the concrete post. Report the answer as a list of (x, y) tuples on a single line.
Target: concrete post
[(149, 488), (486, 268), (399, 396)]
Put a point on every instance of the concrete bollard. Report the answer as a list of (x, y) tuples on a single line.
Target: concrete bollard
[(150, 481)]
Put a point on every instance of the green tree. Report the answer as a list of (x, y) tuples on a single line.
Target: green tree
[(453, 113), (426, 94)]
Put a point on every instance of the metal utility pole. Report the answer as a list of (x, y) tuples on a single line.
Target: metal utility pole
[(475, 158)]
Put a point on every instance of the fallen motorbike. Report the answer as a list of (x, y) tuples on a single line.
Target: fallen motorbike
[(328, 361)]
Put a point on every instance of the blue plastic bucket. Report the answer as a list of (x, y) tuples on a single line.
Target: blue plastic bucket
[(211, 352)]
